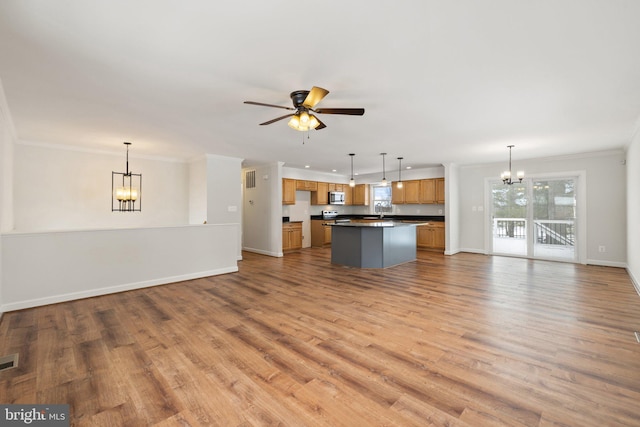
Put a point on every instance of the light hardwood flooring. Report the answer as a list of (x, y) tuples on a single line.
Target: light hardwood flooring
[(463, 340)]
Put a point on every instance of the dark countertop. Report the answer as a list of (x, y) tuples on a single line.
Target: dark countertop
[(435, 218), (377, 224)]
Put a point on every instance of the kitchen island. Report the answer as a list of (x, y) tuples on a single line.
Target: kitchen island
[(374, 244)]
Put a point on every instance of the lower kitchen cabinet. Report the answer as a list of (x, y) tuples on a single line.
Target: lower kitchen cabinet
[(291, 236), (320, 233), (431, 236)]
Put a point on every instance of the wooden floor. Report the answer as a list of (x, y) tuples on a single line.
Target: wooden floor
[(464, 340)]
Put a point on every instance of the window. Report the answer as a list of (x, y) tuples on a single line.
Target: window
[(382, 199)]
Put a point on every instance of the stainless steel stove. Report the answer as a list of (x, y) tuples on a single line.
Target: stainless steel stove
[(333, 215)]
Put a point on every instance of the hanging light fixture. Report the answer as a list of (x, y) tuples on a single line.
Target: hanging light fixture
[(506, 175), (352, 182), (399, 184), (126, 189), (384, 178)]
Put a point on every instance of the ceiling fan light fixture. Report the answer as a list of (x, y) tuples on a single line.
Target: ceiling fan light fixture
[(303, 121)]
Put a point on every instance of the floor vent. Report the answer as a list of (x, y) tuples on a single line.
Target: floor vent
[(8, 362), (637, 334)]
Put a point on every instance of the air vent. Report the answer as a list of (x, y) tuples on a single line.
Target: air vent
[(8, 362), (250, 179)]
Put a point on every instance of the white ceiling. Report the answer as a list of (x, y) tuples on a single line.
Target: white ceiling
[(441, 81)]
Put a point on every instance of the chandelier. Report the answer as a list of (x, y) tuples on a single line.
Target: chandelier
[(126, 189), (506, 175)]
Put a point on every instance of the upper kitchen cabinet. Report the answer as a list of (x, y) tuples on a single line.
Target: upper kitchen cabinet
[(360, 195), (288, 191), (348, 194), (306, 185), (440, 190), (418, 191), (397, 194), (427, 191), (321, 195), (411, 191)]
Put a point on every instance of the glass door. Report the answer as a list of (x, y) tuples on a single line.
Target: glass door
[(509, 218), (535, 218), (554, 218)]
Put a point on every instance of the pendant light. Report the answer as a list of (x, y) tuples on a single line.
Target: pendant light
[(384, 178), (352, 182), (126, 189), (399, 184), (506, 175)]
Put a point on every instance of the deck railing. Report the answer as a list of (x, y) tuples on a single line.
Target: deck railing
[(547, 232)]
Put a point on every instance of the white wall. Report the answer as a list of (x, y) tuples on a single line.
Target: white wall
[(605, 201), (633, 210), (49, 267), (198, 190), (7, 140), (452, 209), (57, 188), (262, 211)]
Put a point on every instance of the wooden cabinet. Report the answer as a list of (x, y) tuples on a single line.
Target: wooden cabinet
[(306, 185), (440, 190), (321, 195), (411, 191), (431, 236), (360, 195), (320, 233), (348, 194), (288, 191), (427, 191), (397, 194), (418, 191), (291, 236)]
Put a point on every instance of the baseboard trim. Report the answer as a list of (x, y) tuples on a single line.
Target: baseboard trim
[(263, 252), (606, 263), (473, 251), (54, 299), (634, 282)]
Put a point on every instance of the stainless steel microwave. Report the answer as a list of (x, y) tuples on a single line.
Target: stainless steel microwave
[(336, 197)]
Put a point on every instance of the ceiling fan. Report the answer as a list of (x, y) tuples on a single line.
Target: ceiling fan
[(304, 102)]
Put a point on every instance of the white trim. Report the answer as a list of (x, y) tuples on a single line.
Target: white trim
[(586, 155), (91, 150), (606, 263), (635, 283), (473, 251), (263, 252), (19, 305)]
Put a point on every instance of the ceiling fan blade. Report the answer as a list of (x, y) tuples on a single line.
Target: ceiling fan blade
[(268, 105), (315, 95), (276, 119), (348, 111), (321, 125)]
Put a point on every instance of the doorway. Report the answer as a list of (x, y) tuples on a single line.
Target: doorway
[(536, 218)]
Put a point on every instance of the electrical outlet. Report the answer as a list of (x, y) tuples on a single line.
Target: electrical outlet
[(602, 249)]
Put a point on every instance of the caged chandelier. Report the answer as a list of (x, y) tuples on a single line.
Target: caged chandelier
[(506, 175), (126, 189)]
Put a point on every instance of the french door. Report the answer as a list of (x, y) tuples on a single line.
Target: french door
[(535, 218)]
